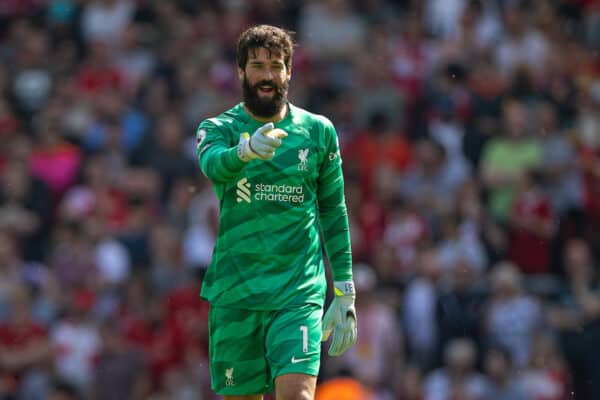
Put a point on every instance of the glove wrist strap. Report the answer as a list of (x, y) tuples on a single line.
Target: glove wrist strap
[(244, 150), (344, 288)]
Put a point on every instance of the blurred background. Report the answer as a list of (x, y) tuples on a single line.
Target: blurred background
[(470, 132)]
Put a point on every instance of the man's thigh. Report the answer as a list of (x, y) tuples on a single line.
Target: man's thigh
[(237, 352), (295, 386), (293, 341)]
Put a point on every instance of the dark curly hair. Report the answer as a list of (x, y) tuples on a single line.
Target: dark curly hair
[(276, 40)]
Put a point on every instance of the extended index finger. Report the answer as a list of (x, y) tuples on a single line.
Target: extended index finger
[(278, 133), (265, 128)]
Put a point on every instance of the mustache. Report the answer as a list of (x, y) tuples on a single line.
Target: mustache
[(265, 83)]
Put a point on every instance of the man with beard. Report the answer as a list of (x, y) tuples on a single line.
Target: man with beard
[(277, 172)]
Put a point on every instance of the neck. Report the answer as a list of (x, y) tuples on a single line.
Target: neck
[(275, 118)]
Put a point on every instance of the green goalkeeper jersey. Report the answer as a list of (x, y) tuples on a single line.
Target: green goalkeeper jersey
[(268, 252)]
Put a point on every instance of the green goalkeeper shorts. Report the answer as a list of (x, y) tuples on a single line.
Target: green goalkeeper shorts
[(249, 349)]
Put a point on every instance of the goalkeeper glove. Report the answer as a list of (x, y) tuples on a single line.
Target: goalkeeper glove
[(341, 319), (262, 144)]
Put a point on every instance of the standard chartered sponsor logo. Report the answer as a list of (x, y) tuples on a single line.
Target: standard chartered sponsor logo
[(275, 193), (243, 190), (282, 193)]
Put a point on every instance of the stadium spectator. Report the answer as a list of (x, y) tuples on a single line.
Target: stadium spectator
[(507, 157), (546, 375), (501, 380), (419, 306), (576, 316), (531, 226), (512, 317), (25, 348), (458, 377), (459, 307)]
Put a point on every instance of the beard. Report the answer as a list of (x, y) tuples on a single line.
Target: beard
[(264, 107)]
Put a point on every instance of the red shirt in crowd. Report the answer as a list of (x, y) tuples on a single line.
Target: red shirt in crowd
[(528, 248), (368, 151), (14, 338), (181, 333)]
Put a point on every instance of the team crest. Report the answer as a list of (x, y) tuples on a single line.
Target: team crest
[(229, 376), (302, 156)]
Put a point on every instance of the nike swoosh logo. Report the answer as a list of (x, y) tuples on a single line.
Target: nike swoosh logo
[(297, 360)]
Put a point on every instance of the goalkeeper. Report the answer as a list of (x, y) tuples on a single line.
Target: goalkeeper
[(277, 172)]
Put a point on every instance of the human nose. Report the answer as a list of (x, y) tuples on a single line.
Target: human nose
[(268, 73)]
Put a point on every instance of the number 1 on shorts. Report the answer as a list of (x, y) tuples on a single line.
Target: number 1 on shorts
[(304, 330)]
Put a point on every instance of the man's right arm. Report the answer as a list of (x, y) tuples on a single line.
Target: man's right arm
[(218, 159), (220, 162)]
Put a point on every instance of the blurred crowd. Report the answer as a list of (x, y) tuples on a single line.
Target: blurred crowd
[(470, 133)]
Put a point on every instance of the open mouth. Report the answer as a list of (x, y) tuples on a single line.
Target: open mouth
[(266, 89)]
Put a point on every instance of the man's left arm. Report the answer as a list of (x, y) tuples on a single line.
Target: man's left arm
[(333, 217)]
